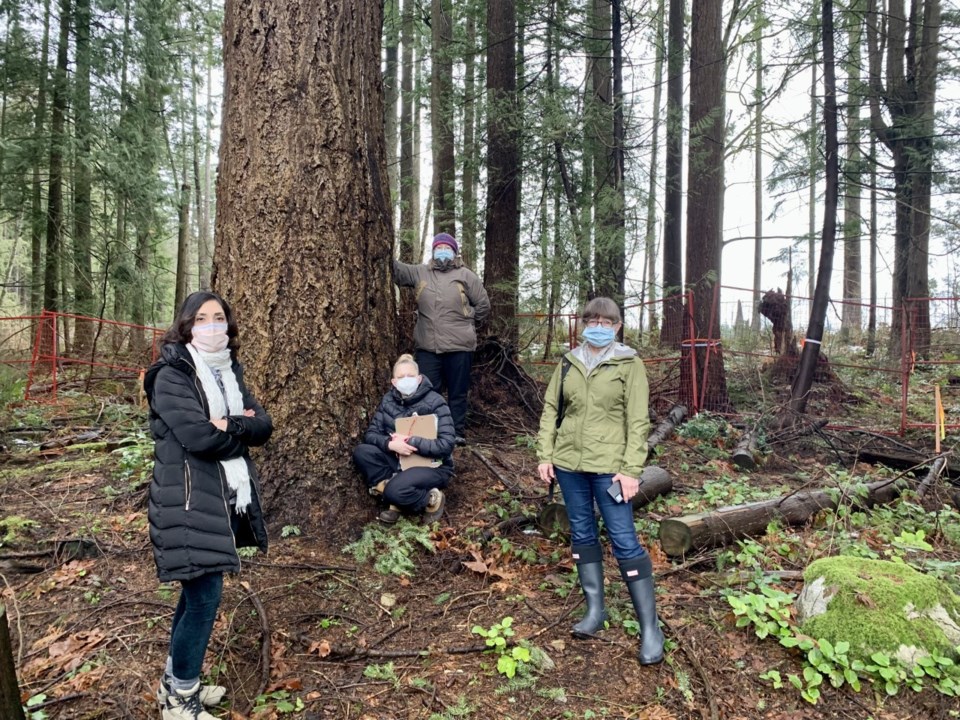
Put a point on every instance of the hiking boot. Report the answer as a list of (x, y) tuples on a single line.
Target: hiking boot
[(390, 515), (210, 695), (435, 504), (185, 705)]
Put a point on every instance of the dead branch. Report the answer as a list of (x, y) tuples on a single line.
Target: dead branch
[(496, 473), (935, 470), (666, 426)]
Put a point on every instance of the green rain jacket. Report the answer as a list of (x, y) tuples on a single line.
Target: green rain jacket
[(605, 417)]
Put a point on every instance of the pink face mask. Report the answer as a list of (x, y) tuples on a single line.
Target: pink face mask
[(211, 337)]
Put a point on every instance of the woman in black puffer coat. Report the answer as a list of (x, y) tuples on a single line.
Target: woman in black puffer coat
[(417, 489), (204, 499)]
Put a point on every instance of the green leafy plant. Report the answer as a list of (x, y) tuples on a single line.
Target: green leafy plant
[(386, 673), (289, 531), (391, 548), (281, 701), (511, 656), (770, 614), (32, 703), (136, 457), (461, 710)]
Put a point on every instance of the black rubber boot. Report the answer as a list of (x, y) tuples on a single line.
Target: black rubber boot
[(589, 559), (638, 575)]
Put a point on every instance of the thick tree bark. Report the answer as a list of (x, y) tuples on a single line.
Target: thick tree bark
[(757, 167), (809, 356), (705, 201), (502, 243), (441, 117), (391, 94), (872, 319), (10, 707), (303, 236), (673, 315)]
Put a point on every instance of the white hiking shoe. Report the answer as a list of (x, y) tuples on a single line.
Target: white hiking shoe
[(185, 705)]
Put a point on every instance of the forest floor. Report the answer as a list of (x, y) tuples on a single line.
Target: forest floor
[(387, 628)]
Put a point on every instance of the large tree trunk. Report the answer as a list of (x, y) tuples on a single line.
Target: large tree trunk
[(37, 218), (705, 201), (441, 117), (672, 329), (850, 328), (872, 320), (303, 236), (502, 244), (757, 167), (58, 109), (391, 95), (409, 161), (907, 90), (470, 165), (650, 233), (82, 264), (809, 356)]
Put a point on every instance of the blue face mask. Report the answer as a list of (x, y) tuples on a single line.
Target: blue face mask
[(442, 254), (599, 336)]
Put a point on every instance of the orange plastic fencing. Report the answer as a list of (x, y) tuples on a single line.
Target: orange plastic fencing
[(75, 350)]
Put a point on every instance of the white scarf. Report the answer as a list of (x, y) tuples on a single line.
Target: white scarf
[(235, 470)]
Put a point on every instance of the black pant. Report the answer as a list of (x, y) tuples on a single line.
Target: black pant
[(409, 489), (450, 370)]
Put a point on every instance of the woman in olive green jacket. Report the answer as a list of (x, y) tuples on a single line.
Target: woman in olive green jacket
[(593, 442)]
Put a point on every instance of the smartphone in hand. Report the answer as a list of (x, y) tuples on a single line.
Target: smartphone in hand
[(615, 491)]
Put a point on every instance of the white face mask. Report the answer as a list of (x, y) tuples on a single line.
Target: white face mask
[(407, 385), (211, 337)]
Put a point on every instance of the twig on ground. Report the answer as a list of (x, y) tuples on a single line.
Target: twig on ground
[(496, 473), (707, 687)]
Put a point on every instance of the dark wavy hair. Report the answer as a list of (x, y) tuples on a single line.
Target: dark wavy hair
[(181, 330)]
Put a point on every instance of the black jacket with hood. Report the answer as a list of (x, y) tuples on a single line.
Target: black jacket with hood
[(424, 401), (193, 528)]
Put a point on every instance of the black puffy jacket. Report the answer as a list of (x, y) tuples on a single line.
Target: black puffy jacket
[(423, 402), (191, 521)]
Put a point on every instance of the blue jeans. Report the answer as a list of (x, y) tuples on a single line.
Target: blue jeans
[(580, 489), (193, 623)]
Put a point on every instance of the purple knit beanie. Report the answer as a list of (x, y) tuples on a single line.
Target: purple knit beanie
[(445, 239)]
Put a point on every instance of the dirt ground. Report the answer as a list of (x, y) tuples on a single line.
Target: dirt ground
[(309, 632)]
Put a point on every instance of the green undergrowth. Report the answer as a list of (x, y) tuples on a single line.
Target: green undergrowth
[(392, 548)]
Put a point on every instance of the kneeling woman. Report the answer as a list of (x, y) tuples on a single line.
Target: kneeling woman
[(417, 489)]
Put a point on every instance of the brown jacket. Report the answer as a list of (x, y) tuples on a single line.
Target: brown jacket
[(449, 303)]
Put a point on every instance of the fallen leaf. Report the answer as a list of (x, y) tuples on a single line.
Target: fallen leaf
[(321, 648)]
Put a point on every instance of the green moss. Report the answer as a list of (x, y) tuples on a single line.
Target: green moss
[(868, 610)]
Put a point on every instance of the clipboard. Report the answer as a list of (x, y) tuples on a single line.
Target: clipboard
[(424, 426)]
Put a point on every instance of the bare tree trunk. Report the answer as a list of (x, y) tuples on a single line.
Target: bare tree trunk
[(51, 289), (441, 117), (391, 94), (37, 217), (757, 169), (799, 392), (470, 169), (812, 175), (650, 234), (502, 236), (183, 246), (872, 321), (304, 237), (10, 707), (705, 197), (909, 48), (82, 263), (672, 329), (850, 329)]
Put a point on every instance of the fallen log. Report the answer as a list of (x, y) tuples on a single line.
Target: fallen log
[(666, 426), (682, 535), (80, 439), (743, 455), (931, 477), (654, 482)]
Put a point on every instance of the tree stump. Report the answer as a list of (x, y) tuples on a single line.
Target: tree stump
[(10, 708)]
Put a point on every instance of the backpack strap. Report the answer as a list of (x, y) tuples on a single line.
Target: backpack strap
[(565, 368)]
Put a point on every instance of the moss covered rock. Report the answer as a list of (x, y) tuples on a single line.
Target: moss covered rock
[(879, 606)]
